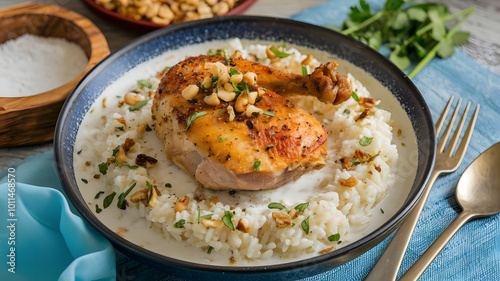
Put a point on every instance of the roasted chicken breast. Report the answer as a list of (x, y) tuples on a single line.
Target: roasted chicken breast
[(226, 122)]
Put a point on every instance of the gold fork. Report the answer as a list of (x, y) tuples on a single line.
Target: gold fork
[(446, 162)]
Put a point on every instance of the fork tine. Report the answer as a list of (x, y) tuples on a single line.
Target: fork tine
[(467, 136), (444, 138), (451, 147), (439, 123)]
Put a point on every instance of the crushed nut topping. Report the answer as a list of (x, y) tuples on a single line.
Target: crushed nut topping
[(211, 223), (325, 251), (367, 102), (145, 161), (243, 225), (282, 219), (139, 195), (350, 182), (363, 115), (181, 204)]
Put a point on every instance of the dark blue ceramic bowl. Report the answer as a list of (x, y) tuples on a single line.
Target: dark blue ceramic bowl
[(259, 28)]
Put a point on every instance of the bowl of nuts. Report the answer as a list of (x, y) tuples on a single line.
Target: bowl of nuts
[(147, 15)]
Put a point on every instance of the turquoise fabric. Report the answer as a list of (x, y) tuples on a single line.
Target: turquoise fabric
[(472, 254), (49, 241)]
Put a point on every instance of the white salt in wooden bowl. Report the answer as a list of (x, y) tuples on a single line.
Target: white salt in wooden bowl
[(32, 119)]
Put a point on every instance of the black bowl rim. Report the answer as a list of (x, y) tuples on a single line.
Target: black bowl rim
[(368, 241)]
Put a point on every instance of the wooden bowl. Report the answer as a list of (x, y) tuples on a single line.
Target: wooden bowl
[(31, 120)]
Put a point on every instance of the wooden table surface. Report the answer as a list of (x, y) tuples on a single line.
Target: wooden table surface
[(484, 43)]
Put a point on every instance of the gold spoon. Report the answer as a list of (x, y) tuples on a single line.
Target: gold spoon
[(478, 193)]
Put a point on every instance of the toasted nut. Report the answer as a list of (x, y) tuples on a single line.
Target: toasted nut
[(145, 161), (216, 68), (211, 2), (162, 21), (270, 54), (377, 168), (120, 156), (228, 87), (230, 111), (241, 103), (128, 145), (294, 213), (153, 10), (211, 223), (165, 12), (250, 78), (346, 163), (153, 198), (190, 16), (181, 204), (207, 82), (261, 91), (139, 195), (142, 128), (220, 8), (212, 99), (251, 109), (214, 200), (282, 219), (190, 92), (361, 156), (121, 120), (243, 225), (185, 7), (350, 182), (307, 60), (132, 99), (237, 55), (252, 96), (223, 78), (363, 114), (326, 251), (226, 95), (236, 78), (204, 9), (367, 102)]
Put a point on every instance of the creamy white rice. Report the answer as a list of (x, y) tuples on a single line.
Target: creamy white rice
[(333, 210)]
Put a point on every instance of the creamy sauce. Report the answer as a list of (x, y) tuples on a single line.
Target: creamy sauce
[(293, 193)]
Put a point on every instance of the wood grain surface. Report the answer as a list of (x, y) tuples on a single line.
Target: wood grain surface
[(483, 46)]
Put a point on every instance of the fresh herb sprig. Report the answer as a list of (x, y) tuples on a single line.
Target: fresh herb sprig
[(413, 32)]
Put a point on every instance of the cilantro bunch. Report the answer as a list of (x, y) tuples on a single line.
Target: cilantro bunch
[(413, 33)]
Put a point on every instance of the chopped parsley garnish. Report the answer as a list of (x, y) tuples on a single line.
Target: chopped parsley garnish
[(79, 151), (365, 141), (269, 146), (108, 200), (278, 52), (347, 111), (148, 185), (304, 70), (381, 210), (278, 206), (283, 44), (148, 129), (382, 107), (233, 71), (180, 223), (356, 163), (98, 194), (97, 209), (221, 139), (85, 181), (209, 216), (120, 128), (115, 152), (168, 185), (305, 225), (144, 83), (103, 167), (215, 79), (269, 113), (355, 96), (193, 117), (302, 207), (334, 237), (237, 88), (121, 197), (198, 83), (138, 105), (226, 219), (210, 248), (256, 165)]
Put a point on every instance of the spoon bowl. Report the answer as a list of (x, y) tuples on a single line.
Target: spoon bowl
[(478, 190), (478, 193)]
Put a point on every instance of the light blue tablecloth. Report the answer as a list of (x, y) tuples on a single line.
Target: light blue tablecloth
[(472, 254)]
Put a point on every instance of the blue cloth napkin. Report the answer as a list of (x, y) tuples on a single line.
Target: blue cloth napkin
[(42, 239), (474, 252)]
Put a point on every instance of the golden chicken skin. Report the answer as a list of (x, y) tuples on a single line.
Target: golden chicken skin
[(227, 122)]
